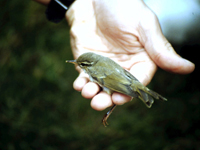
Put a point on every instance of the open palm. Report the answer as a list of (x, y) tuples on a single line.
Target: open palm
[(127, 32)]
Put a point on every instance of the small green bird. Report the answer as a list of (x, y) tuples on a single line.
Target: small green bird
[(113, 78)]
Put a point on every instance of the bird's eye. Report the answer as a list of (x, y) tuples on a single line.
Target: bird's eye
[(84, 64)]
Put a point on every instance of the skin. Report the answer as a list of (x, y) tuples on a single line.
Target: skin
[(129, 33)]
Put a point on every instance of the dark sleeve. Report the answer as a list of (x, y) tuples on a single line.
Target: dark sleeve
[(56, 10)]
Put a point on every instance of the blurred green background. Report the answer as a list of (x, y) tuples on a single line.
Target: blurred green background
[(39, 109)]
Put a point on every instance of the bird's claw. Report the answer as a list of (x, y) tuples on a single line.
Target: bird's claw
[(104, 120)]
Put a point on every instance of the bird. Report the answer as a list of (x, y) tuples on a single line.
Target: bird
[(113, 78)]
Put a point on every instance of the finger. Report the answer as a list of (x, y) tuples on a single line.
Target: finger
[(166, 58), (120, 99), (80, 81), (90, 90), (160, 50), (101, 101)]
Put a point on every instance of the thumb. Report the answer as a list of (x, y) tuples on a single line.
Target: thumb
[(161, 51)]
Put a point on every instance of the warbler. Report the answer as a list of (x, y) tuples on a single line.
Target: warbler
[(113, 78)]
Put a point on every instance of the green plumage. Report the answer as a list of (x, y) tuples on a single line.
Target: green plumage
[(112, 77)]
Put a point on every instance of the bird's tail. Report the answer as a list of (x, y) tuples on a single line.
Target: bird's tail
[(148, 96)]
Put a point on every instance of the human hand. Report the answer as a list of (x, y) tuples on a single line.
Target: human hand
[(127, 32)]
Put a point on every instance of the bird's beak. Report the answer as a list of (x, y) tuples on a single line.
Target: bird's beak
[(71, 61)]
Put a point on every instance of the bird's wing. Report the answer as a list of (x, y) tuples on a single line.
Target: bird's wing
[(118, 82)]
